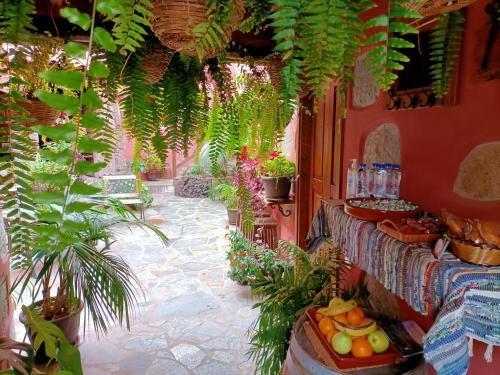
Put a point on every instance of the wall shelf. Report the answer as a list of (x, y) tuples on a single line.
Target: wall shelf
[(286, 212)]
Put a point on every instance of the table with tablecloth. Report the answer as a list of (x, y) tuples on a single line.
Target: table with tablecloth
[(463, 298)]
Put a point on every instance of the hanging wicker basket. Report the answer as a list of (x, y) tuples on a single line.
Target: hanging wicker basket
[(155, 64), (174, 20), (435, 7), (274, 70), (41, 112)]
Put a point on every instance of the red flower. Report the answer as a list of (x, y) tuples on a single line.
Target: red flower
[(244, 265), (274, 155), (242, 254)]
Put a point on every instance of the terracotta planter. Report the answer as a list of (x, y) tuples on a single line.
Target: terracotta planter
[(153, 175), (277, 188), (232, 215), (69, 325)]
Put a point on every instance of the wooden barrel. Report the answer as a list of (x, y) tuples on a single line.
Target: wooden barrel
[(301, 359)]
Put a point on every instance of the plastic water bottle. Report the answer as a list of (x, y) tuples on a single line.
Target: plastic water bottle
[(396, 180), (352, 180), (362, 190), (380, 181), (370, 180), (389, 189)]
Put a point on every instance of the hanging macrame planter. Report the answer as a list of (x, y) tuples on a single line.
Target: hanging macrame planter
[(174, 20), (155, 63), (435, 7)]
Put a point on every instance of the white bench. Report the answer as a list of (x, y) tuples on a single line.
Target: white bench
[(124, 189)]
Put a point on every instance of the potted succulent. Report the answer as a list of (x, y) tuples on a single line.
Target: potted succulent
[(226, 193), (277, 176), (85, 275)]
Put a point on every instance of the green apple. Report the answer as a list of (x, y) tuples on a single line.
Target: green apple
[(379, 341), (342, 343)]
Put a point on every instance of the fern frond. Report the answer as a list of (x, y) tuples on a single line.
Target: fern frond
[(445, 44), (385, 57)]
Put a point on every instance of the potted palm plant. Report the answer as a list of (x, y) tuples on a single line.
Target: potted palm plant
[(227, 194), (277, 176), (85, 275)]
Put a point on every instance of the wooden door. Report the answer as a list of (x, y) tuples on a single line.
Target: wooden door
[(320, 154)]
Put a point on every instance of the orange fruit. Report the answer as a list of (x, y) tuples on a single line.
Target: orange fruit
[(325, 325), (353, 318), (318, 316), (330, 334), (341, 318), (361, 348), (360, 311)]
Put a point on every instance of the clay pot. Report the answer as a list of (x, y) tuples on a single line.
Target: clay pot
[(277, 188), (232, 215), (153, 175), (69, 325)]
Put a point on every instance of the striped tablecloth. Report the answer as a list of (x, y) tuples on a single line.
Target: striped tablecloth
[(463, 298)]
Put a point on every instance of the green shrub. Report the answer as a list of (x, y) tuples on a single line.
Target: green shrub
[(279, 166)]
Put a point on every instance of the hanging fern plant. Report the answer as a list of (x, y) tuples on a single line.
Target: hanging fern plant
[(445, 43)]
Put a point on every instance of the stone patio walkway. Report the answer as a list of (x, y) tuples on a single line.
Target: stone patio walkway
[(194, 319)]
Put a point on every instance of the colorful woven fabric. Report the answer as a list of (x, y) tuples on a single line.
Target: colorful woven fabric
[(427, 284)]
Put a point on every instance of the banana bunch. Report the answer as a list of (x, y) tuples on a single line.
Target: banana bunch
[(356, 331), (337, 306)]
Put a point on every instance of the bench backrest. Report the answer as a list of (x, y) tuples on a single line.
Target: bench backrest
[(120, 185)]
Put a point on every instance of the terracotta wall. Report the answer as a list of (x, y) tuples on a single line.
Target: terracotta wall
[(435, 140)]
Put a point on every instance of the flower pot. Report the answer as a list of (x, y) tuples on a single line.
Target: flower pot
[(153, 175), (277, 188), (69, 325), (232, 215)]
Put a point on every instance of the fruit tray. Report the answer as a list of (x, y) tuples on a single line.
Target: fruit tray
[(369, 214), (348, 361)]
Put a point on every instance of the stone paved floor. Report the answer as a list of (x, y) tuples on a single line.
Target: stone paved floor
[(194, 319)]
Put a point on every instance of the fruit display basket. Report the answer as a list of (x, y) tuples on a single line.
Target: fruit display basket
[(390, 356), (468, 252)]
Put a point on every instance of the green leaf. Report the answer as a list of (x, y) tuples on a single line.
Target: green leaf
[(395, 42), (378, 21), (90, 145), (49, 197), (401, 27), (67, 132), (91, 99), (109, 7), (98, 70), (68, 357), (74, 49), (81, 188), (104, 38), (74, 16), (87, 167), (91, 121), (64, 103), (68, 79), (63, 157), (78, 207), (50, 216), (43, 332), (400, 12), (397, 56), (58, 179)]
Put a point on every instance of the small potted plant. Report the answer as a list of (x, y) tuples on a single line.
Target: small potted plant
[(153, 166), (277, 176), (226, 193)]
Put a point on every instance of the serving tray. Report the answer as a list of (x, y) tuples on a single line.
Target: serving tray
[(408, 238), (375, 215), (348, 361)]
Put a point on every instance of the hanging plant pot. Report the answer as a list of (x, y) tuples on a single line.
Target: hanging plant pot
[(434, 7), (69, 325), (156, 63), (174, 21), (277, 188), (41, 112), (232, 215), (153, 175)]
